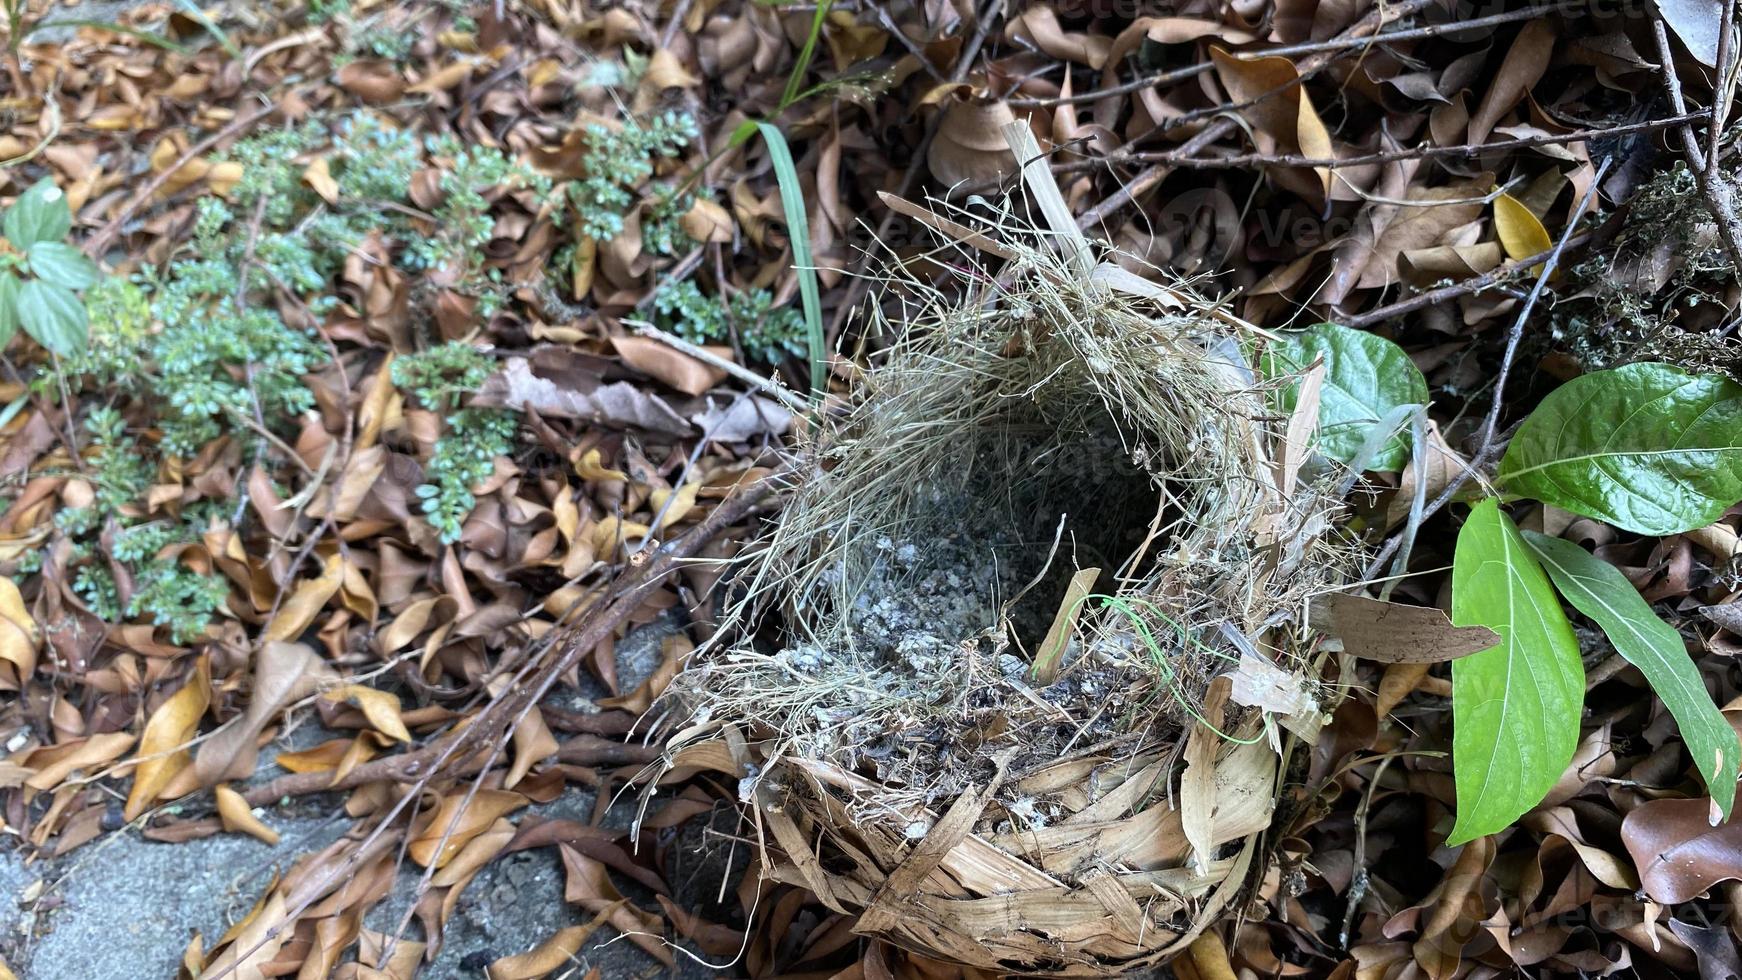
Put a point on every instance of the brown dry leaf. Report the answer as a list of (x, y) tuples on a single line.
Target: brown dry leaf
[(706, 221), (162, 747), (19, 637), (306, 602), (376, 81), (555, 952), (237, 817), (283, 672), (970, 146), (533, 743), (1524, 65), (319, 177), (1398, 682), (587, 884), (1442, 463), (1390, 632), (1197, 790), (673, 367), (56, 763), (485, 807), (1281, 110), (381, 708), (579, 396), (1039, 25), (1678, 853)]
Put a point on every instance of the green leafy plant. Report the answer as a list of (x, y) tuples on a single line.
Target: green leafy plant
[(617, 161), (41, 274), (1366, 378), (465, 454), (1647, 448), (766, 334)]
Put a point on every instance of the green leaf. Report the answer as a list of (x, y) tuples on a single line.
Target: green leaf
[(62, 264), (8, 306), (1645, 447), (1599, 590), (1515, 705), (1366, 376), (54, 316), (799, 231), (39, 215)]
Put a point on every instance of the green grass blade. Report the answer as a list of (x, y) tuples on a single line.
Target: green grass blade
[(805, 56), (155, 40), (798, 229), (217, 33)]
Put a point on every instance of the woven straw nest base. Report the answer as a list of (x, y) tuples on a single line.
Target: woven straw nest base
[(1109, 889)]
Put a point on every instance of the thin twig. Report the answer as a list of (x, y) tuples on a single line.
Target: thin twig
[(1725, 88), (1190, 160), (1720, 200), (1336, 44), (1488, 280), (742, 373)]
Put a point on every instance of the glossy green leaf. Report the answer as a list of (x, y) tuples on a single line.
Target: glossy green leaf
[(62, 264), (39, 215), (1645, 447), (8, 306), (53, 316), (1515, 705), (1599, 590), (1366, 377)]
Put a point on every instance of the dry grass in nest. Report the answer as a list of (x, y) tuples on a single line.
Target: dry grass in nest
[(941, 720)]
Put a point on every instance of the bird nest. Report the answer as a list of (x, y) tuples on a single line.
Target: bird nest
[(1013, 675)]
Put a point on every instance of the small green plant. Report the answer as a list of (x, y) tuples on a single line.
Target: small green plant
[(1645, 447), (617, 161), (766, 334), (472, 437), (162, 588), (41, 274)]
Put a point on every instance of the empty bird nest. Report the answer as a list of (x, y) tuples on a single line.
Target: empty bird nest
[(1012, 674)]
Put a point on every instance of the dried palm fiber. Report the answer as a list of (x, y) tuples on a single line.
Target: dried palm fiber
[(1078, 782)]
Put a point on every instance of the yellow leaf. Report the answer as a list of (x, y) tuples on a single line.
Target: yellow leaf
[(162, 748), (684, 502), (379, 707), (318, 176), (234, 813), (223, 177), (445, 77), (1521, 233), (317, 759), (589, 467), (305, 603), (19, 636)]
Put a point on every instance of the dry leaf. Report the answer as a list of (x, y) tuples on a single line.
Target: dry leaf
[(237, 817)]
